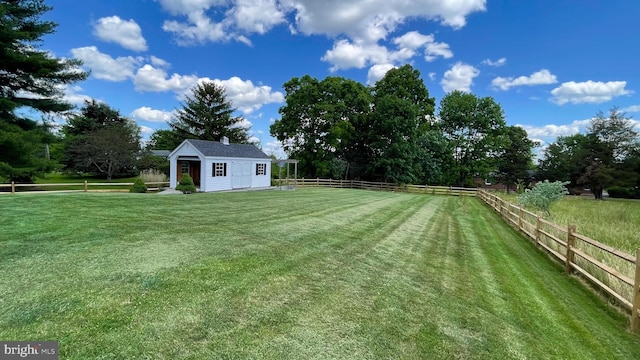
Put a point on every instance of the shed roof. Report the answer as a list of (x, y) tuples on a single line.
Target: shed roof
[(214, 148)]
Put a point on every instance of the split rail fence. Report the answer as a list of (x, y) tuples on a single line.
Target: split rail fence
[(77, 187), (615, 272), (371, 185)]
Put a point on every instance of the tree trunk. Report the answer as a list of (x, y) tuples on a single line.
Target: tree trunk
[(597, 192)]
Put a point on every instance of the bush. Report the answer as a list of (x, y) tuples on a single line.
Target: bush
[(138, 186), (186, 185), (543, 195), (623, 192)]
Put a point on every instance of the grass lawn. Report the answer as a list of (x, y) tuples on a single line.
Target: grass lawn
[(312, 273)]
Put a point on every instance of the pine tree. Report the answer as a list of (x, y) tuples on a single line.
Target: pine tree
[(207, 114), (28, 78)]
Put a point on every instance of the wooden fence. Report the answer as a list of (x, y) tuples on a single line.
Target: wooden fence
[(370, 185), (615, 272), (78, 187)]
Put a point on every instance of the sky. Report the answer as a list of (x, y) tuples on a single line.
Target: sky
[(551, 65)]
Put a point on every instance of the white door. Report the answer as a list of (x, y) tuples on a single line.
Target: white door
[(240, 175)]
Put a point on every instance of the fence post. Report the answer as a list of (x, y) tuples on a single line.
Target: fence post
[(635, 310), (13, 187), (85, 186), (521, 219), (571, 241), (538, 228)]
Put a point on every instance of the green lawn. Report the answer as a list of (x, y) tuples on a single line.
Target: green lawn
[(312, 273)]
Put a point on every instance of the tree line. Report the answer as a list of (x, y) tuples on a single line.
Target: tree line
[(390, 132)]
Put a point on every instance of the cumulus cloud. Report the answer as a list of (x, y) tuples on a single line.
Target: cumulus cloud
[(377, 72), (632, 108), (105, 67), (248, 97), (496, 63), (361, 20), (553, 130), (152, 79), (152, 115), (542, 77), (459, 77), (413, 41), (592, 92), (126, 33)]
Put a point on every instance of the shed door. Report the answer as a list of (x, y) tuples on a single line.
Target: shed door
[(240, 175)]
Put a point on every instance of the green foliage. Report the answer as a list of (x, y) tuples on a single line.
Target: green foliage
[(29, 78), (401, 111), (138, 186), (186, 184), (100, 140), (543, 195), (623, 192), (323, 124), (476, 130), (207, 114), (515, 159), (148, 161), (164, 140)]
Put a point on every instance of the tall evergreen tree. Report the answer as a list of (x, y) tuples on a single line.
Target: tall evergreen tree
[(29, 78), (207, 114)]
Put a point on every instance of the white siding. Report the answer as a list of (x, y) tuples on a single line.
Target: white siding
[(217, 183), (258, 181)]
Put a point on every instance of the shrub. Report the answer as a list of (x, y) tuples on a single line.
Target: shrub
[(543, 195), (622, 192), (138, 186), (186, 184)]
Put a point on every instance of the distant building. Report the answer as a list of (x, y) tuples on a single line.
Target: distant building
[(217, 166)]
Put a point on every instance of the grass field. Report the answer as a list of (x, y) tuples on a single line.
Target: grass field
[(313, 273), (614, 222)]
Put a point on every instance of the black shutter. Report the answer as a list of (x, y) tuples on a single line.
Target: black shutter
[(213, 170), (257, 167), (225, 169)]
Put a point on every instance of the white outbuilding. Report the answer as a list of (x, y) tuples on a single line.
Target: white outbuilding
[(217, 166)]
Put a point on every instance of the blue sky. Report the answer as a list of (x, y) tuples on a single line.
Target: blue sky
[(550, 64)]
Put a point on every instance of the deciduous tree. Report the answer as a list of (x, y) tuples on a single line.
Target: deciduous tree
[(475, 128), (100, 140), (515, 159)]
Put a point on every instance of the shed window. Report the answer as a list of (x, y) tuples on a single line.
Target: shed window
[(261, 169), (219, 169), (184, 166)]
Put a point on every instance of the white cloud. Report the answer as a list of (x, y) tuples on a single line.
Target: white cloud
[(105, 67), (152, 79), (541, 77), (632, 108), (373, 20), (248, 97), (553, 130), (361, 20), (146, 131), (256, 16), (432, 76), (152, 115), (496, 63), (413, 40), (348, 54), (437, 49), (73, 96), (377, 72), (459, 77), (592, 92), (125, 33)]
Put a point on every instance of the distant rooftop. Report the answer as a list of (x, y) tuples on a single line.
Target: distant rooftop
[(214, 148)]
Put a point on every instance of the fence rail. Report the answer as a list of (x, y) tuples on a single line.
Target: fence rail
[(613, 271), (371, 185), (82, 186)]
